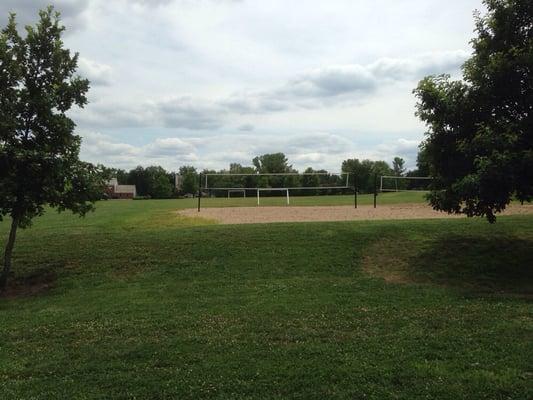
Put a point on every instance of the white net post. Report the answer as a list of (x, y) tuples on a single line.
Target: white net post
[(286, 190)]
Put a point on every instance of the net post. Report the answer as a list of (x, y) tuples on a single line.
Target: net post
[(199, 190), (375, 190), (257, 196), (355, 190), (288, 201)]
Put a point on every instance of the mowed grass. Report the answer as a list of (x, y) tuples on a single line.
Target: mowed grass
[(145, 304)]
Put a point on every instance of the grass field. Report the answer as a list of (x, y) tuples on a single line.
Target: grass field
[(139, 303)]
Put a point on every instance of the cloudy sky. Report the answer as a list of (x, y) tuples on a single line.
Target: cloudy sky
[(209, 82)]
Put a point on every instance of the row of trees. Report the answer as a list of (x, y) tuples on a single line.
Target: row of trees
[(156, 182)]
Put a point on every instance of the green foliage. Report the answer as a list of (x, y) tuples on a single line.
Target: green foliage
[(398, 166), (366, 171), (480, 141), (189, 175), (272, 163), (310, 180), (152, 181), (39, 152)]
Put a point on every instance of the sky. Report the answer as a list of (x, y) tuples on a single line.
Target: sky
[(210, 82)]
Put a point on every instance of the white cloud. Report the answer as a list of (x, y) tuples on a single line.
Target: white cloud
[(246, 127), (97, 73), (214, 81), (419, 66), (333, 81), (407, 149), (169, 147), (321, 88), (319, 150), (169, 152)]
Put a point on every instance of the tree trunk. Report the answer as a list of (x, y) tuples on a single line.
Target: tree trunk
[(8, 253)]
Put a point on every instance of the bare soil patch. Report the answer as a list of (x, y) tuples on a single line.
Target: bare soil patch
[(254, 215)]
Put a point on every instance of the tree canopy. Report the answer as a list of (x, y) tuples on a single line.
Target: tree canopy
[(39, 163), (398, 166), (272, 163), (479, 145)]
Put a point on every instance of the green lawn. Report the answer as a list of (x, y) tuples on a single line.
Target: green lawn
[(145, 304)]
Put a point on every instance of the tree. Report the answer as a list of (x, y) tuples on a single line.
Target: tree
[(479, 144), (139, 178), (39, 152), (353, 167), (398, 166), (153, 181), (189, 183), (272, 163), (310, 181), (159, 182)]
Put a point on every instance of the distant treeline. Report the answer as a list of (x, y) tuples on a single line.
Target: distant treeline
[(156, 182)]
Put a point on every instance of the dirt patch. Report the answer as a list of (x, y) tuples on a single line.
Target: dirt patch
[(254, 215), (37, 283)]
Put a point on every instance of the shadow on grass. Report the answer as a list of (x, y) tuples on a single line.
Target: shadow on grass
[(479, 265), (498, 264), (35, 283)]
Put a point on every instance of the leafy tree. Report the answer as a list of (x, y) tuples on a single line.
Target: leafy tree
[(479, 144), (139, 178), (380, 168), (242, 181), (152, 181), (272, 163), (121, 175), (353, 167), (310, 181), (39, 152), (159, 182), (422, 163), (189, 183), (398, 166), (366, 171)]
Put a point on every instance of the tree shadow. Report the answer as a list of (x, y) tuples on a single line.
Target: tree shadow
[(32, 284), (498, 264)]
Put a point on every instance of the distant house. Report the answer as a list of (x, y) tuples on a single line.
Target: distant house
[(116, 191)]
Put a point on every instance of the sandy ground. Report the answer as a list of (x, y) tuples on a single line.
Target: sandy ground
[(253, 215)]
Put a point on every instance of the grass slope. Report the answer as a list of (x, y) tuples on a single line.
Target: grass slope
[(149, 305)]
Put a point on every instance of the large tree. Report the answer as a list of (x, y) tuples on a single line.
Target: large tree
[(479, 145), (39, 162), (274, 163), (398, 166), (367, 171), (189, 175)]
